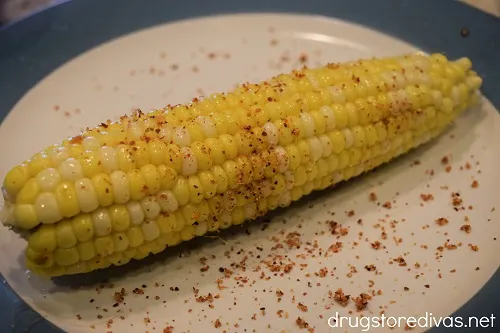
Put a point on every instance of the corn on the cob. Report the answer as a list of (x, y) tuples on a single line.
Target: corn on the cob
[(127, 189)]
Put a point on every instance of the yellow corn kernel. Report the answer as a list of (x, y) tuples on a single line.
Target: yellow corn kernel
[(43, 240), (140, 153), (39, 259), (271, 163), (341, 115), (83, 227), (170, 239), (166, 222), (191, 213), (167, 177), (125, 158), (173, 158), (332, 162), (137, 185), (221, 178), (381, 131), (202, 152), (65, 235), (152, 179), (216, 150), (245, 169), (103, 189), (216, 205), (156, 150), (26, 216), (257, 165), (86, 250), (97, 263), (229, 146), (38, 163), (208, 184), (135, 236), (232, 173), (195, 189), (104, 246), (181, 191), (187, 233), (300, 176), (91, 163), (16, 179), (29, 192), (305, 151), (294, 156), (359, 136), (66, 257), (120, 218)]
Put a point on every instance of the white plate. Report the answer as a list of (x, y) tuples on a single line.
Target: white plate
[(154, 67)]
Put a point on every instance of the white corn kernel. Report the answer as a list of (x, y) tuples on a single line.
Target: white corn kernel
[(282, 159), (189, 163), (150, 207), (70, 170), (48, 179), (207, 126), (47, 208), (167, 201), (338, 95), (102, 222), (326, 145), (121, 189), (349, 138), (315, 148), (150, 230), (59, 155), (136, 213), (181, 137), (272, 135), (108, 159), (91, 143)]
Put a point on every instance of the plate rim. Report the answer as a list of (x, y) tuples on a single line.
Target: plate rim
[(66, 31)]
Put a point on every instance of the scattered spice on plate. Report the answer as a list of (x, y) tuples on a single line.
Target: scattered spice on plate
[(442, 221)]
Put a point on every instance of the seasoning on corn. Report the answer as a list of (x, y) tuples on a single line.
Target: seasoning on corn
[(123, 190)]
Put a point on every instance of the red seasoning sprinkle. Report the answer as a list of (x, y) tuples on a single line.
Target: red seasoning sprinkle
[(301, 323), (467, 228), (302, 307), (362, 301), (217, 323), (387, 205), (339, 297), (474, 184), (426, 197), (442, 221), (474, 248)]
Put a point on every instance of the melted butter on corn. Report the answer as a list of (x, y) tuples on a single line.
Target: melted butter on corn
[(123, 190)]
